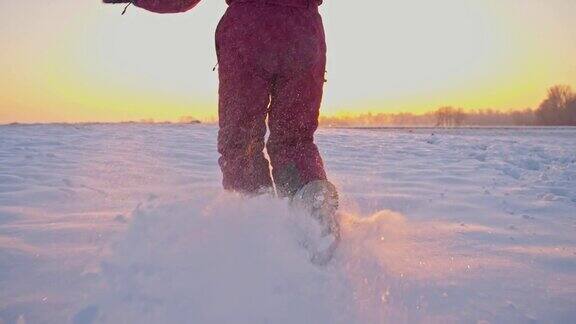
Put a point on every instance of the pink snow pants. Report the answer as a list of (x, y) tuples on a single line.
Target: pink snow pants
[(272, 61)]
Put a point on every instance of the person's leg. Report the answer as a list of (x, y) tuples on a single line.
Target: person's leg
[(243, 104), (242, 114), (295, 105), (293, 120)]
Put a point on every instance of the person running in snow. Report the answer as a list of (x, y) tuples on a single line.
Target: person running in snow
[(272, 60)]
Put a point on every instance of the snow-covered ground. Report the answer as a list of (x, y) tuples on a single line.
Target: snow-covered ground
[(128, 224)]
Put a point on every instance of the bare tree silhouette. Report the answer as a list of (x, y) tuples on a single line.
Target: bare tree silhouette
[(449, 116), (559, 108)]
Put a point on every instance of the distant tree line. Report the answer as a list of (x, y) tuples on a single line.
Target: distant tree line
[(558, 109), (449, 116), (376, 120)]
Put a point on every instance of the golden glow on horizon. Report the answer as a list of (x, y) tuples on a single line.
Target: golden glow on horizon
[(81, 61)]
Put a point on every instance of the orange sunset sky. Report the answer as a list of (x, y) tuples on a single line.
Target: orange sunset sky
[(74, 61)]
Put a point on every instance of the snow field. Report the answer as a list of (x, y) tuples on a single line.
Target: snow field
[(127, 223)]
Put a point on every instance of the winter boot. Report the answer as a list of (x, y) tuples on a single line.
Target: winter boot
[(319, 199)]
